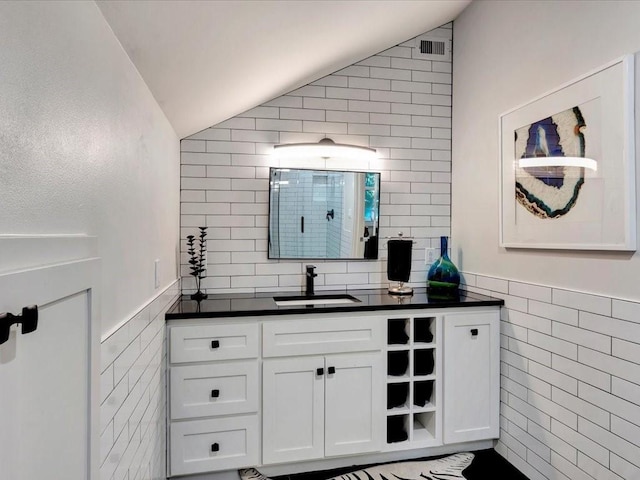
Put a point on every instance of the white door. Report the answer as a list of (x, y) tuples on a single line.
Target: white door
[(472, 376), (48, 397), (293, 409), (354, 399)]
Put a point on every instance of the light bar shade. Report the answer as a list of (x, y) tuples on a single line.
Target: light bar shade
[(325, 148), (558, 162)]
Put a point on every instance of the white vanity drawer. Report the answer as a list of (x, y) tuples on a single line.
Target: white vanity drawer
[(214, 389), (216, 444), (203, 343), (312, 337)]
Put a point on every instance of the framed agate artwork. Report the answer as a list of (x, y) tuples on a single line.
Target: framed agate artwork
[(568, 165)]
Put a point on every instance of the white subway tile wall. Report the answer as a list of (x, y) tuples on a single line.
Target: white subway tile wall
[(570, 381), (132, 395), (395, 101)]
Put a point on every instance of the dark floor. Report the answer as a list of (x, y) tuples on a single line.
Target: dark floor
[(487, 465)]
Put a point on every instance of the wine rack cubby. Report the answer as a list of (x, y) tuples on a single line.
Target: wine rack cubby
[(413, 382)]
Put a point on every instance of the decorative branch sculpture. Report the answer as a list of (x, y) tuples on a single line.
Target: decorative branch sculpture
[(197, 261)]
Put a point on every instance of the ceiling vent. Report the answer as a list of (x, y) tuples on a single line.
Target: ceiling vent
[(433, 48)]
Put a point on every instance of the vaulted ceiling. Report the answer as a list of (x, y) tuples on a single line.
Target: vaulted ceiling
[(207, 61)]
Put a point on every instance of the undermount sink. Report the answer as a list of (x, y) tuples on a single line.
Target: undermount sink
[(315, 300)]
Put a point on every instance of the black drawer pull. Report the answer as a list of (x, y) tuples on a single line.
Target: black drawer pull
[(320, 371), (215, 344), (215, 447), (332, 370), (474, 332), (215, 393), (28, 319)]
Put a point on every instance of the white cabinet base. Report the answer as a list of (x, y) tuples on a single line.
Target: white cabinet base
[(213, 389), (472, 380), (214, 421), (353, 411), (214, 444), (321, 399), (292, 409), (315, 407), (365, 459)]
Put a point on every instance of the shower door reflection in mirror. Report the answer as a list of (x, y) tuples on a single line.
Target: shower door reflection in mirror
[(323, 214)]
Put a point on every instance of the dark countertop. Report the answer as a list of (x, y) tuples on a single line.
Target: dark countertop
[(258, 304)]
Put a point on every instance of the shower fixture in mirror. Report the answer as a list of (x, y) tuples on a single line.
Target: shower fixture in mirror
[(323, 214)]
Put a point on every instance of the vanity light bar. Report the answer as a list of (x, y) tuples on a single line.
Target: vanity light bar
[(325, 148), (558, 162)]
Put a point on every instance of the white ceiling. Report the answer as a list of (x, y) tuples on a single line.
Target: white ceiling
[(207, 61)]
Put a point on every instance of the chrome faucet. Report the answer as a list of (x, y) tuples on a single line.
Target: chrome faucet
[(310, 276)]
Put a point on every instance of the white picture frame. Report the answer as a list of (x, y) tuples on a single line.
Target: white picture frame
[(601, 213)]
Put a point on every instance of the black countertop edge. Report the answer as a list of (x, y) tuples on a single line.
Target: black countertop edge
[(262, 304)]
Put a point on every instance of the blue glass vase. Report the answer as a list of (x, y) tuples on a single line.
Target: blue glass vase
[(443, 277)]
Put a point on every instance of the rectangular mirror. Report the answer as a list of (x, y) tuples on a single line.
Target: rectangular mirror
[(323, 214)]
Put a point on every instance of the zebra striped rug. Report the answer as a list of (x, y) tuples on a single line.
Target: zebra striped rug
[(447, 468)]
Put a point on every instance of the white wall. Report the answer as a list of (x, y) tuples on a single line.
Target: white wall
[(507, 53), (85, 149), (570, 381), (570, 332), (396, 101)]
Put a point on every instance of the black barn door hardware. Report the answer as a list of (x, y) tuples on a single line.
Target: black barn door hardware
[(28, 319)]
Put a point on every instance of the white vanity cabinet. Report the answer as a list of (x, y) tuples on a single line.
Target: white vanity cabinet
[(472, 378), (213, 397), (413, 380), (276, 389), (322, 405)]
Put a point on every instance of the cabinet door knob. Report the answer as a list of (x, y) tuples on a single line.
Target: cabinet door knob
[(215, 393), (474, 332), (332, 370), (215, 447), (319, 371), (215, 344)]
